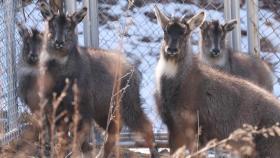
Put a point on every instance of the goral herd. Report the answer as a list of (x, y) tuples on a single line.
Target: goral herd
[(227, 89)]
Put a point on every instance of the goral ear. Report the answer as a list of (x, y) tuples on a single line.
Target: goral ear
[(46, 11), (196, 20), (162, 19), (204, 25), (23, 31), (230, 25), (77, 17)]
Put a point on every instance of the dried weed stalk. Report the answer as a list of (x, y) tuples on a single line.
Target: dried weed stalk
[(240, 141), (76, 119), (114, 113)]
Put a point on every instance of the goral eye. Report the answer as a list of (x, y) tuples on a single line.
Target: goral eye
[(165, 30), (68, 29), (181, 32), (27, 42)]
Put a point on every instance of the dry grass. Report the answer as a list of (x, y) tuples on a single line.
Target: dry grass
[(240, 142)]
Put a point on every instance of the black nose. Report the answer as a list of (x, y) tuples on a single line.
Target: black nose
[(59, 44), (172, 50), (215, 52), (33, 56)]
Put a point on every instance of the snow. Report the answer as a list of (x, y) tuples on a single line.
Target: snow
[(146, 150), (132, 26)]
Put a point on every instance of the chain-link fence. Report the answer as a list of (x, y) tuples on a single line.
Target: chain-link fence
[(131, 27), (269, 35), (9, 49)]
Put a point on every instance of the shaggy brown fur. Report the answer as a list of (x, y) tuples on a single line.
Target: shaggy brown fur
[(28, 67), (214, 52), (224, 102), (100, 75)]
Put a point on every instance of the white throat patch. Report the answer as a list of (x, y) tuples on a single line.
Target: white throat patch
[(221, 62), (213, 62), (26, 69), (45, 56), (167, 68)]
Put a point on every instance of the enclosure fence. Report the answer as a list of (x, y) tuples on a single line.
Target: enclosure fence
[(130, 26)]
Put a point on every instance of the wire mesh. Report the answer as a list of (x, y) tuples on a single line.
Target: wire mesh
[(269, 34), (8, 70), (133, 25), (130, 26)]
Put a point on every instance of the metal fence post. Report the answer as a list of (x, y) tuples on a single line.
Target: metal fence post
[(12, 109), (91, 33), (70, 6), (91, 39), (236, 33), (227, 13), (252, 24)]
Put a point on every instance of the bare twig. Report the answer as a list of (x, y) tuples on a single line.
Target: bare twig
[(55, 104), (76, 119), (117, 95), (247, 131), (41, 122)]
